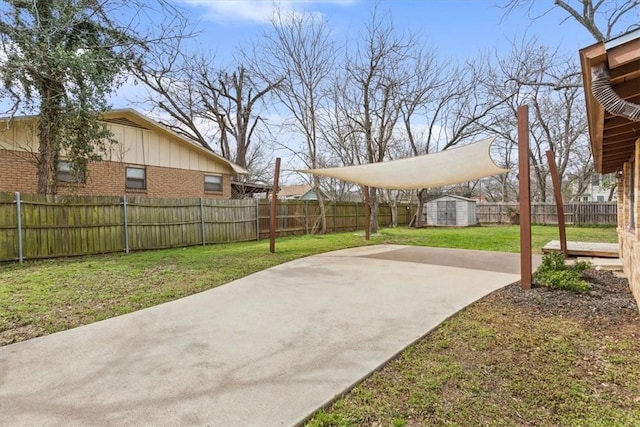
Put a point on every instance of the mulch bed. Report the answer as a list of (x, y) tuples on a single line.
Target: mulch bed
[(609, 303)]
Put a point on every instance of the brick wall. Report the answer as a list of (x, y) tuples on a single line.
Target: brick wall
[(630, 237), (18, 172)]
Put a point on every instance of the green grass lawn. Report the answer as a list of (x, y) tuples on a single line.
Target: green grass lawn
[(495, 363), (54, 295)]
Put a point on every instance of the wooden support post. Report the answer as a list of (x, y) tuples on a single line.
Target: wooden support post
[(274, 207), (557, 193), (367, 213), (525, 197)]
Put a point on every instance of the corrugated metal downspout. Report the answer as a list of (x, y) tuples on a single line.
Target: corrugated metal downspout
[(610, 100)]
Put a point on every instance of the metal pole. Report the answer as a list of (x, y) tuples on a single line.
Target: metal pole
[(274, 206), (202, 220), (367, 213), (525, 197), (258, 219), (126, 224), (555, 179), (19, 214), (306, 217)]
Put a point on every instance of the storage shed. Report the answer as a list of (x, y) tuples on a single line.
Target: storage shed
[(451, 211)]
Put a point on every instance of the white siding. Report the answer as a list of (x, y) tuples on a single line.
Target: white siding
[(134, 146)]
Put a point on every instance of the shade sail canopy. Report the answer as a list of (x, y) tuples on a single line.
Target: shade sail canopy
[(454, 166)]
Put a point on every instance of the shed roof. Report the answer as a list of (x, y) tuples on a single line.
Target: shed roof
[(466, 199)]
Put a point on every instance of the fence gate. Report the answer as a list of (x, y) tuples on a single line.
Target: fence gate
[(446, 214)]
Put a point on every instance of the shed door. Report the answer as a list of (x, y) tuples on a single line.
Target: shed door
[(446, 212)]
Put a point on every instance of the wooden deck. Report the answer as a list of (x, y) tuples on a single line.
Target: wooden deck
[(590, 249)]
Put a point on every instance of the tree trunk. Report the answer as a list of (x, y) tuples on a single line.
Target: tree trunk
[(373, 201), (48, 150), (394, 212), (612, 191), (422, 199), (323, 214)]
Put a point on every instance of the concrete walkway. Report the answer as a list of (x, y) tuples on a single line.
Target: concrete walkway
[(265, 350)]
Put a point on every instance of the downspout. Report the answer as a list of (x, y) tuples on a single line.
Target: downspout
[(612, 102)]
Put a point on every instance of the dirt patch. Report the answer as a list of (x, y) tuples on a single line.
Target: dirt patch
[(20, 333)]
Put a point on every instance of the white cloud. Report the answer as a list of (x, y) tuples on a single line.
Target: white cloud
[(257, 11)]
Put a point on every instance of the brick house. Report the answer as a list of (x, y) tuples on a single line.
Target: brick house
[(611, 78), (149, 159)]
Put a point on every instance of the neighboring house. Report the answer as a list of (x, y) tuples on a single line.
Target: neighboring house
[(297, 192), (149, 159), (611, 77), (451, 211), (599, 189)]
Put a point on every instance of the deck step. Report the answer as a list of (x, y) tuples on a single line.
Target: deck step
[(589, 249)]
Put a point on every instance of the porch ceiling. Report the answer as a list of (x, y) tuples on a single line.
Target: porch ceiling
[(613, 137)]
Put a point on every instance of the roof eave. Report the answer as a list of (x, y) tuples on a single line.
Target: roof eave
[(590, 56)]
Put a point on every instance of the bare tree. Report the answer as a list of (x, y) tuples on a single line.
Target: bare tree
[(297, 56), (175, 93), (229, 100), (557, 122), (602, 19), (455, 104), (377, 73), (205, 103)]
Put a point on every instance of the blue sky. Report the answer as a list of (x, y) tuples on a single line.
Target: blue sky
[(458, 28)]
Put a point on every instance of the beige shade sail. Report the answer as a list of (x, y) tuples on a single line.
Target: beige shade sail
[(453, 166)]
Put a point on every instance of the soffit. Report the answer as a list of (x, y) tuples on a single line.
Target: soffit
[(613, 137)]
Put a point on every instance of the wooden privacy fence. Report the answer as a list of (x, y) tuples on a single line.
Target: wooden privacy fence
[(38, 226), (582, 213), (302, 217)]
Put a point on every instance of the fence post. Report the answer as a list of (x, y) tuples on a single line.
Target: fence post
[(356, 215), (202, 221), (126, 224), (334, 217), (257, 219), (19, 213)]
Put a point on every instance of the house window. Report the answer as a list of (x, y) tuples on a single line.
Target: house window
[(136, 178), (65, 173), (213, 183)]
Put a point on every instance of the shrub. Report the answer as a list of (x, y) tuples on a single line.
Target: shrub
[(554, 273)]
